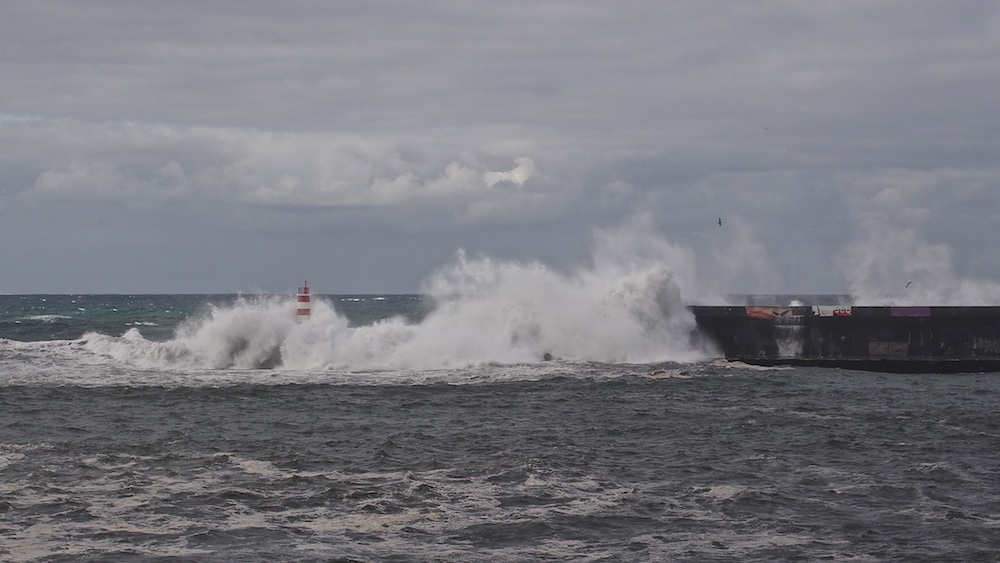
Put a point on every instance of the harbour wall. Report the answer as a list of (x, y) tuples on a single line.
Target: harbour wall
[(895, 339)]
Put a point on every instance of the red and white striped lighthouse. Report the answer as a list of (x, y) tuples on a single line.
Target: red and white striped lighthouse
[(303, 307)]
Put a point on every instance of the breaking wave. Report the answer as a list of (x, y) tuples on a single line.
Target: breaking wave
[(628, 307)]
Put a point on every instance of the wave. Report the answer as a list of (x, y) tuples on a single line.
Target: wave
[(44, 318), (626, 308)]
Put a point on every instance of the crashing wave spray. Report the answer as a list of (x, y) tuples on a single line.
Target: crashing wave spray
[(629, 306), (247, 334)]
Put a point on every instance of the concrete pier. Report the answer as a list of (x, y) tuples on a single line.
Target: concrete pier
[(891, 339)]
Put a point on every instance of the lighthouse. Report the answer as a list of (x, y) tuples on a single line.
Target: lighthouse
[(303, 306)]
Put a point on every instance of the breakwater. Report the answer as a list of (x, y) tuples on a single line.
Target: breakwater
[(889, 339)]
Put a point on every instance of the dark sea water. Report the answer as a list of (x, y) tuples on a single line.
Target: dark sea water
[(216, 428)]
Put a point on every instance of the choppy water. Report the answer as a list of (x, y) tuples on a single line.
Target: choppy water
[(142, 428)]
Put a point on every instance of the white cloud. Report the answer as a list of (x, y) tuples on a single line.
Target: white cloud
[(261, 168), (520, 174)]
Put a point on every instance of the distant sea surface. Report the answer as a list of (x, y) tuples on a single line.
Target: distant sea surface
[(400, 428)]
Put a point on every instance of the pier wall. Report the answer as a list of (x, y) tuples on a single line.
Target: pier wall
[(900, 338)]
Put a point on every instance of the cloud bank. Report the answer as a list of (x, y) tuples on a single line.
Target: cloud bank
[(237, 147)]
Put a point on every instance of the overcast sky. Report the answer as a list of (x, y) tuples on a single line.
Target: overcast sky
[(228, 146)]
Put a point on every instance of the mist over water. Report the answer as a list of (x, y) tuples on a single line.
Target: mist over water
[(898, 267)]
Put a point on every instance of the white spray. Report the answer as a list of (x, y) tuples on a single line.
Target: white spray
[(897, 267), (628, 306)]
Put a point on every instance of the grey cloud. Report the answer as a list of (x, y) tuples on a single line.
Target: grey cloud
[(515, 129)]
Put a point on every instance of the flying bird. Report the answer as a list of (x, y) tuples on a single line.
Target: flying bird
[(720, 221)]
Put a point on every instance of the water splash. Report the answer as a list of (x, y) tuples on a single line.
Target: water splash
[(627, 307), (247, 334)]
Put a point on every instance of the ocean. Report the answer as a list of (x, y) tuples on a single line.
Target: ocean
[(405, 428)]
